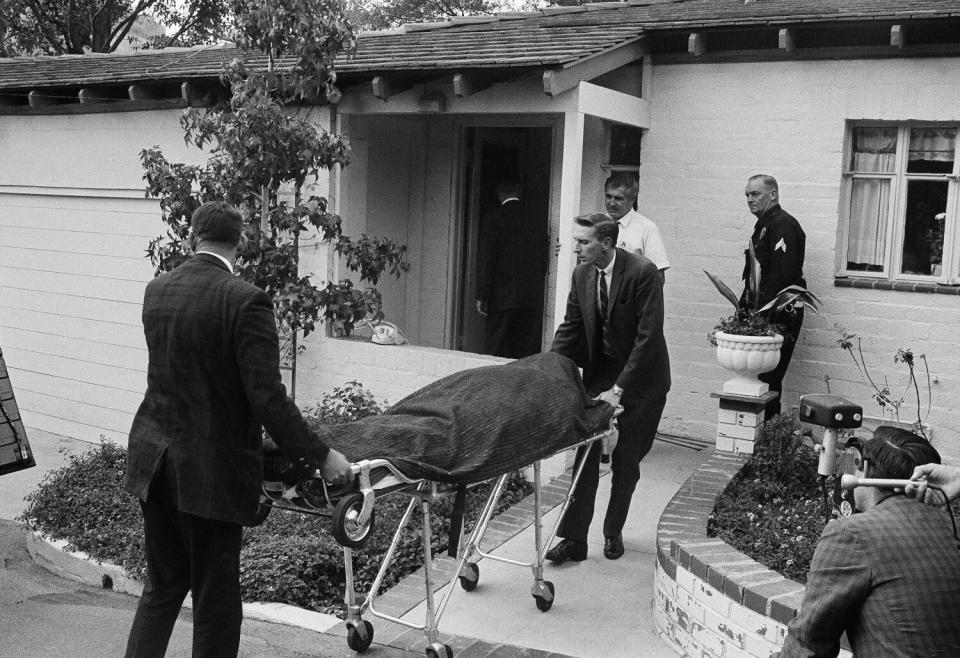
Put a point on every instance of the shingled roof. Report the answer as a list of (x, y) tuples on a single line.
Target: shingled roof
[(553, 37)]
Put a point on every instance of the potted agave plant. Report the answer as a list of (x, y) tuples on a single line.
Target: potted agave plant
[(748, 342)]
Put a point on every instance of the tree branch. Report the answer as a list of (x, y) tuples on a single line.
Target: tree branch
[(44, 21), (123, 26)]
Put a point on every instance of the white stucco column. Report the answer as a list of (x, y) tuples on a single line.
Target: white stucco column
[(570, 179)]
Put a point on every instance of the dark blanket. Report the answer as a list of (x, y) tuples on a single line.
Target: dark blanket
[(479, 423)]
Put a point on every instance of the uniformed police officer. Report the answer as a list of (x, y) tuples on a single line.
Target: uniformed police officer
[(778, 242)]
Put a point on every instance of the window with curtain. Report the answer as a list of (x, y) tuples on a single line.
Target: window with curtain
[(900, 184)]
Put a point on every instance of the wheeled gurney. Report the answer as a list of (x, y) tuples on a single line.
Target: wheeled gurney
[(478, 425)]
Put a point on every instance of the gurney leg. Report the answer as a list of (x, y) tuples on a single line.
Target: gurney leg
[(359, 631), (469, 572), (388, 558), (566, 501), (542, 589), (430, 626)]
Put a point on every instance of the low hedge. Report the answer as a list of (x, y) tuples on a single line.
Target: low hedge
[(291, 558)]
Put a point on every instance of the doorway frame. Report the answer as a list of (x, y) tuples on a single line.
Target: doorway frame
[(459, 185)]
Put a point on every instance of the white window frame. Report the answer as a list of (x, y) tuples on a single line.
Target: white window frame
[(893, 250)]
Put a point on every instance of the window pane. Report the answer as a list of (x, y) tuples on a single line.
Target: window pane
[(931, 150), (923, 227), (867, 239), (874, 150)]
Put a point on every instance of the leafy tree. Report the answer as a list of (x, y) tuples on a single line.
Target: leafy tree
[(264, 152), (58, 27), (382, 14), (61, 27)]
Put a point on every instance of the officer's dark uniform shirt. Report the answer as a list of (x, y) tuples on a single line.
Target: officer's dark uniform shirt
[(779, 244)]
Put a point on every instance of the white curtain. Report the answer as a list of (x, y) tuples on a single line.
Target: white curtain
[(874, 149), (869, 202), (932, 144)]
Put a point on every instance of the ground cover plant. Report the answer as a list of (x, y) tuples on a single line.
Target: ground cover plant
[(772, 510), (290, 558)]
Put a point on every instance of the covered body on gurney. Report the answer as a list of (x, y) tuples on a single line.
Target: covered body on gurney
[(465, 428)]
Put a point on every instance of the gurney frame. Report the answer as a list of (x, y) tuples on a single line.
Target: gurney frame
[(353, 520)]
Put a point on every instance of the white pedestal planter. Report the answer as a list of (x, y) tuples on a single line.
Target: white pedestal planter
[(747, 356)]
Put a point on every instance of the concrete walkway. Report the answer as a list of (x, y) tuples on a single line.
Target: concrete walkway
[(602, 607)]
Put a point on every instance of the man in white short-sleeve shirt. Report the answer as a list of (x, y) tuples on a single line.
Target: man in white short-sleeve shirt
[(637, 233)]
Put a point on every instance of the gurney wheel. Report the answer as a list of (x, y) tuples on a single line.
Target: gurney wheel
[(470, 576), (357, 639), (346, 530), (543, 604), (437, 650)]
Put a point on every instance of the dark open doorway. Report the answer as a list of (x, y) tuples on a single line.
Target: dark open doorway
[(493, 155)]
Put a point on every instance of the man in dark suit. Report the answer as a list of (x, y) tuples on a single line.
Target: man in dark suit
[(195, 448), (510, 276), (889, 577), (613, 328)]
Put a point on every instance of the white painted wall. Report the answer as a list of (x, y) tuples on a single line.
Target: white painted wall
[(73, 229), (73, 225), (712, 127)]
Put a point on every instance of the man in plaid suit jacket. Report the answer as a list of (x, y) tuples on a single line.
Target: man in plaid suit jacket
[(195, 449), (889, 577)]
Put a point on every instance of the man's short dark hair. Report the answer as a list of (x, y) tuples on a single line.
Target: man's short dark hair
[(894, 452), (606, 227), (217, 221), (628, 180), (769, 182)]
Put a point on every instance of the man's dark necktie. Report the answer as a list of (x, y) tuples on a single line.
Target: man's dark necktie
[(603, 312)]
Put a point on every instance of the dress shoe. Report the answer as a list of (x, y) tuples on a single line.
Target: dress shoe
[(568, 549), (613, 547)]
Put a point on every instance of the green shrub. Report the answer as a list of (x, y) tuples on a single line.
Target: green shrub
[(84, 504), (773, 509), (291, 558), (345, 404)]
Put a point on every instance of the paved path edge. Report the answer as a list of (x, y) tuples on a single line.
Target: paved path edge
[(52, 555)]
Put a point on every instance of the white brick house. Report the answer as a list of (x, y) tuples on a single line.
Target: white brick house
[(719, 90)]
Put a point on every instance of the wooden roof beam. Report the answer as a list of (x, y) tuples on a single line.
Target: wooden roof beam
[(898, 36), (786, 40), (88, 96), (142, 93), (611, 105), (386, 86), (697, 44), (557, 81), (381, 87), (201, 95), (189, 92), (39, 99), (466, 84)]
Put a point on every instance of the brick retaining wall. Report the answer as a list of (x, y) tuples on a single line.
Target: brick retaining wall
[(710, 599)]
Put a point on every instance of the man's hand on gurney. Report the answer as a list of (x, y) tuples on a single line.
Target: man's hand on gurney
[(336, 469), (611, 397)]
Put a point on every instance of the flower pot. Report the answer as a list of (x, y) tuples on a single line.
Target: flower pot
[(747, 356)]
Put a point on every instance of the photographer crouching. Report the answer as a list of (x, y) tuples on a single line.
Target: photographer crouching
[(889, 577)]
